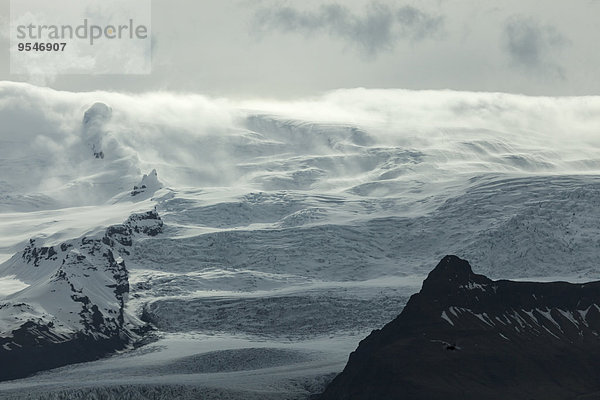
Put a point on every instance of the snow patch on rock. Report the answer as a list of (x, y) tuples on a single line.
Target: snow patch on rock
[(148, 185), (77, 293)]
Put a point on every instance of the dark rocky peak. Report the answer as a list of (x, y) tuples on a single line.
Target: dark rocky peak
[(453, 273), (451, 283), (464, 336), (147, 223)]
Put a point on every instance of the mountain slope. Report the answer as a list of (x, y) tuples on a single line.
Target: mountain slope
[(74, 307), (465, 336)]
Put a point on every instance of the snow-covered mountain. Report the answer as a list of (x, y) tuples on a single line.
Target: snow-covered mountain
[(73, 308), (295, 225)]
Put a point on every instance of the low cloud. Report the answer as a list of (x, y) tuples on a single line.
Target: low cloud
[(195, 141), (534, 47), (378, 29)]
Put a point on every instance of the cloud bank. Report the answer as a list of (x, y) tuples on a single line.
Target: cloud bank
[(333, 142), (378, 29), (533, 46)]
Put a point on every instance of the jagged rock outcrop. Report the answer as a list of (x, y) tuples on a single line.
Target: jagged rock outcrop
[(74, 307), (148, 185), (464, 336)]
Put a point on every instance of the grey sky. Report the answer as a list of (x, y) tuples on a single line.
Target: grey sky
[(277, 48)]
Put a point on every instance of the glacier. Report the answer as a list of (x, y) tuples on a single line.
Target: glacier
[(293, 227)]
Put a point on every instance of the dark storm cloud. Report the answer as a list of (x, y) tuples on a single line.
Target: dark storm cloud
[(417, 24), (533, 47), (379, 28)]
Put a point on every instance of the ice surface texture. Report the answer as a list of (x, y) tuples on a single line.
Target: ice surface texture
[(304, 223)]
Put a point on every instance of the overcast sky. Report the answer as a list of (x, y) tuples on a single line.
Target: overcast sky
[(286, 49)]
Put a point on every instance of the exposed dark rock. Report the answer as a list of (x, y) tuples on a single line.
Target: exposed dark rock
[(35, 255), (74, 310), (28, 354), (464, 336), (149, 184)]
